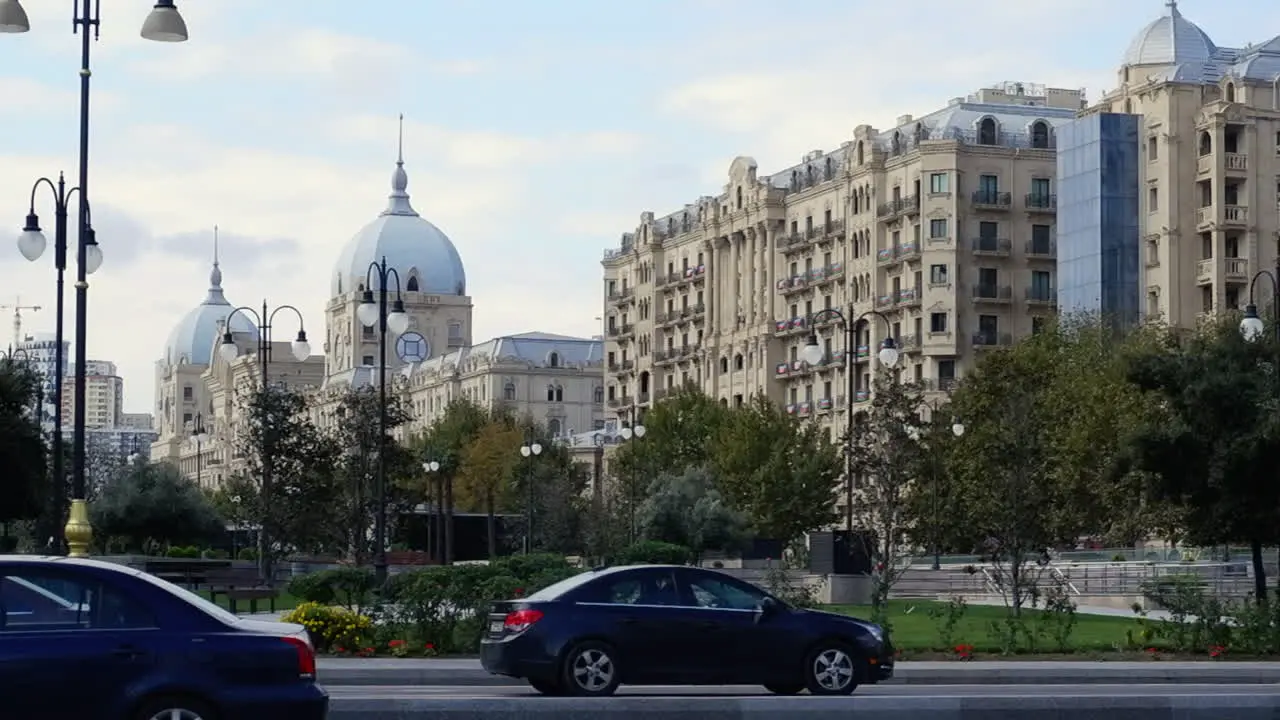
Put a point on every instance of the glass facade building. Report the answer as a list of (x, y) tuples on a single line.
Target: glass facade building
[(1099, 267)]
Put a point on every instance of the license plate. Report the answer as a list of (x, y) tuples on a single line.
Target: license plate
[(496, 627)]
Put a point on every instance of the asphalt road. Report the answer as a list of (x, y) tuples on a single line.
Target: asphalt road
[(398, 692)]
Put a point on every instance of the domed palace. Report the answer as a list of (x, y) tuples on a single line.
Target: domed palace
[(1207, 120), (554, 378)]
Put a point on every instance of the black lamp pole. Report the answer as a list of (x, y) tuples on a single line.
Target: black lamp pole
[(163, 24), (888, 356), (197, 434), (264, 321), (384, 274)]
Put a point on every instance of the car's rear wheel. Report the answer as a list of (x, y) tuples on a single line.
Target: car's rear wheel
[(175, 707), (591, 670), (784, 689), (546, 688), (830, 669)]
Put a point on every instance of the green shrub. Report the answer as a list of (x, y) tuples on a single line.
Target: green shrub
[(247, 554), (653, 552), (184, 552), (351, 587)]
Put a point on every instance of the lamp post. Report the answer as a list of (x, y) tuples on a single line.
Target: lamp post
[(164, 24), (431, 468), (393, 318), (134, 450), (1252, 327), (814, 354), (957, 429), (529, 451), (301, 351), (32, 244), (198, 434), (636, 431)]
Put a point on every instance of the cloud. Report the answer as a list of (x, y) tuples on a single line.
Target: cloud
[(38, 98)]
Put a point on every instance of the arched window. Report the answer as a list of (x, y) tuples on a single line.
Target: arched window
[(897, 142), (1231, 92), (509, 392), (412, 285), (830, 170), (738, 361), (551, 393), (1206, 143), (553, 427), (987, 131), (724, 402), (739, 197), (859, 154), (1040, 134), (599, 394), (724, 364), (553, 360), (559, 394)]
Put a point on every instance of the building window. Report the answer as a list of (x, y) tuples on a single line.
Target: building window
[(738, 362), (187, 392), (412, 286), (1040, 135), (509, 392), (599, 395), (938, 275), (367, 361), (1153, 149), (938, 322), (553, 360), (553, 427), (938, 228), (987, 131), (1153, 199), (724, 364)]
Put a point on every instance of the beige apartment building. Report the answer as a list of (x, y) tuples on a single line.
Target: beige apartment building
[(104, 395), (1209, 165), (942, 224)]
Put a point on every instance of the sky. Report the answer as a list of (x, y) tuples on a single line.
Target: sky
[(535, 133)]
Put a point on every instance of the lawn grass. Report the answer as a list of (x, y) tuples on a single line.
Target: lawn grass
[(284, 602), (913, 630)]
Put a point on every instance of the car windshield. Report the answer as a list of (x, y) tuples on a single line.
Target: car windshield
[(555, 590), (191, 598)]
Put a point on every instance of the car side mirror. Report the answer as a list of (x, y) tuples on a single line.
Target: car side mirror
[(768, 608)]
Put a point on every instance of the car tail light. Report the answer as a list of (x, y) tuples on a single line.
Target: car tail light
[(521, 620), (306, 655)]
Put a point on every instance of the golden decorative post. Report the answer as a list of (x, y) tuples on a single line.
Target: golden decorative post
[(78, 531)]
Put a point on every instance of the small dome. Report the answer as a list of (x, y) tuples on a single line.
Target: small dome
[(1170, 40), (420, 252), (193, 338)]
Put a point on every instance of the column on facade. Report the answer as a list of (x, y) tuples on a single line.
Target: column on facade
[(753, 262), (735, 260), (712, 298)]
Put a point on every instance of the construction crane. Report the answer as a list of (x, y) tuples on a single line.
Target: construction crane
[(17, 307)]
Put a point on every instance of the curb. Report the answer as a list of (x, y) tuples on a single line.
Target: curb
[(1214, 707), (469, 673)]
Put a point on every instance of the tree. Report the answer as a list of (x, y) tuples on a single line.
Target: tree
[(780, 471), (1212, 450), (444, 442), (145, 503), (1009, 503), (23, 489), (558, 485), (289, 488), (483, 480), (357, 437), (885, 457), (686, 509), (679, 434)]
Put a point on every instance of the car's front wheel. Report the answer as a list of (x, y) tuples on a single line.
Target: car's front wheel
[(830, 669), (591, 670)]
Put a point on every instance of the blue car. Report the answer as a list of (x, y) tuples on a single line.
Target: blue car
[(669, 625), (88, 639)]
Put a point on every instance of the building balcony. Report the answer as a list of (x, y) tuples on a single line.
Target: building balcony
[(908, 251), (991, 200), (992, 339), (792, 285), (908, 297), (793, 243), (1231, 216), (1235, 163), (1041, 249), (887, 256), (1041, 202), (991, 246), (622, 296), (824, 275), (909, 205), (795, 325), (1042, 296), (992, 293), (1234, 269), (884, 302)]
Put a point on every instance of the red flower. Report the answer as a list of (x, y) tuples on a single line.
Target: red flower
[(340, 649), (395, 643), (429, 646), (519, 592)]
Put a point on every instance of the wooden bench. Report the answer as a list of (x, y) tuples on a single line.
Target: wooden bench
[(240, 584), (189, 573)]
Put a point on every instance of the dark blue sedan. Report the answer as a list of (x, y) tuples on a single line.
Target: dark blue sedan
[(669, 625), (88, 639)]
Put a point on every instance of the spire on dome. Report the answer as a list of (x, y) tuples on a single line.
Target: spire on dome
[(215, 276), (1173, 7), (399, 198)]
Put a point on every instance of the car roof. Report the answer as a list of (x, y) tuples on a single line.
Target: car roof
[(60, 561)]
